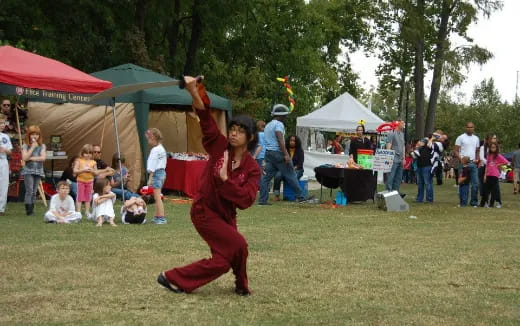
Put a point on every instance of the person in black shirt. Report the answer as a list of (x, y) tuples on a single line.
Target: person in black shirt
[(359, 142), (104, 170), (423, 155)]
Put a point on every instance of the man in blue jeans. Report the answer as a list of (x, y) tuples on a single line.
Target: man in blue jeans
[(396, 143), (277, 158), (468, 144)]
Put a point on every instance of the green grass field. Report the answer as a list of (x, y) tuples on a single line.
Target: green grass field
[(308, 265)]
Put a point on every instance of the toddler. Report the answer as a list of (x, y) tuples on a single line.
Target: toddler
[(133, 211), (463, 182), (85, 170), (156, 167)]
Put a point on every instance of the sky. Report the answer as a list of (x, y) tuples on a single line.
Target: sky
[(498, 34)]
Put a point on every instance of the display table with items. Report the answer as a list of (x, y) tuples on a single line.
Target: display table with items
[(314, 159), (356, 184), (184, 171)]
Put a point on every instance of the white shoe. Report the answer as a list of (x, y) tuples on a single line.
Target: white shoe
[(498, 206)]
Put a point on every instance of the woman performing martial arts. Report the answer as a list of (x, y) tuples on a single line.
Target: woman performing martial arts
[(229, 181)]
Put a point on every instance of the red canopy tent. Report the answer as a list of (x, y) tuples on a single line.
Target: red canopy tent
[(34, 77), (25, 69)]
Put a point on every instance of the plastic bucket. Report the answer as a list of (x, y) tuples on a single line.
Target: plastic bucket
[(365, 158)]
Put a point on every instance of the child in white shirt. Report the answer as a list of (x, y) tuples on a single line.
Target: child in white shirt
[(61, 208), (5, 149), (156, 167), (103, 202)]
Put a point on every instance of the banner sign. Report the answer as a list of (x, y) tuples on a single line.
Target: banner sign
[(42, 95), (383, 160)]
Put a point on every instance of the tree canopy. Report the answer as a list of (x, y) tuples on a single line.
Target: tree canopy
[(242, 46)]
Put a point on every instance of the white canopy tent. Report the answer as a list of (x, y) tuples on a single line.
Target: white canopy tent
[(340, 115)]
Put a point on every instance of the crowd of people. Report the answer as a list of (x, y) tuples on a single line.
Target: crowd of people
[(87, 178), (241, 165), (476, 166)]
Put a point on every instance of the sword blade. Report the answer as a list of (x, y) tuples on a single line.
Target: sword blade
[(131, 88)]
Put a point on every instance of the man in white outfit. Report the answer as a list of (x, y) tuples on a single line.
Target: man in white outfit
[(5, 149), (62, 209)]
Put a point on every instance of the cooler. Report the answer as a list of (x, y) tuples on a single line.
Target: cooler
[(288, 193)]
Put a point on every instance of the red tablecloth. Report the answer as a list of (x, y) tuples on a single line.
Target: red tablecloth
[(184, 176)]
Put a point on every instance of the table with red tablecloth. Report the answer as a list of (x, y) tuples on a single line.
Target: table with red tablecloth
[(184, 175)]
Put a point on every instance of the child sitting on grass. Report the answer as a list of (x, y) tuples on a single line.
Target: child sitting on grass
[(62, 208), (134, 211), (103, 202)]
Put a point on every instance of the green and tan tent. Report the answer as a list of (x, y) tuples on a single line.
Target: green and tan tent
[(165, 108)]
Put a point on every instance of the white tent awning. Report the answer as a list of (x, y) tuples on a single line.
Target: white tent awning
[(341, 114)]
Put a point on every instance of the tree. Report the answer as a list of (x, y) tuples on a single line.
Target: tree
[(427, 27)]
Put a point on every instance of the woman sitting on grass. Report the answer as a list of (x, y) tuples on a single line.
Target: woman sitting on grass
[(120, 176)]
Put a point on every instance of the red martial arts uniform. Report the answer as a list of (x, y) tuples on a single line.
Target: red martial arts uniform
[(214, 211)]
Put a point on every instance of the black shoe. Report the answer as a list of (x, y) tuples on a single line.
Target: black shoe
[(304, 199), (265, 204), (242, 292), (161, 279), (28, 209), (402, 195)]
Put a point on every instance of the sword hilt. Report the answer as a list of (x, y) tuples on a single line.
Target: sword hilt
[(182, 82)]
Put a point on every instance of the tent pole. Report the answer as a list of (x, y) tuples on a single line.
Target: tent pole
[(118, 151), (103, 130)]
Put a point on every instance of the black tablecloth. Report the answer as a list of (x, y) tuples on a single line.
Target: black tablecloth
[(357, 185)]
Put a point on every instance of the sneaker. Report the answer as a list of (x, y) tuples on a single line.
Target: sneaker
[(304, 199), (498, 206), (159, 220)]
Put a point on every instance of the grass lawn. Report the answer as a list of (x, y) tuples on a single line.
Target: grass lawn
[(308, 265)]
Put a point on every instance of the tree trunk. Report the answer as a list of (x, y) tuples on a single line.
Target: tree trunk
[(140, 14), (173, 35), (440, 50), (196, 31), (402, 92), (419, 73)]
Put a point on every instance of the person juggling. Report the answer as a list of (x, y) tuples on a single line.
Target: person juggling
[(229, 181)]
